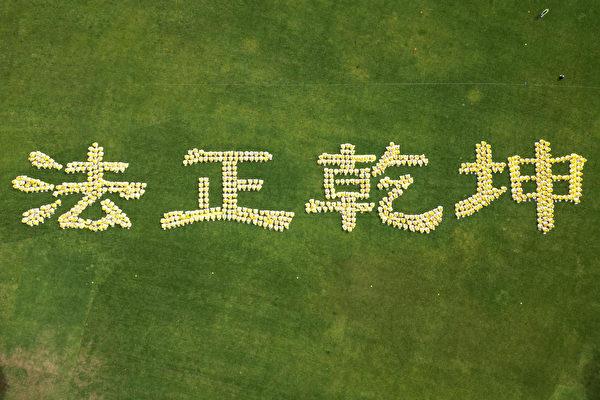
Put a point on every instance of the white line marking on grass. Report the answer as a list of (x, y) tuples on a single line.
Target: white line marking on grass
[(300, 84), (348, 84)]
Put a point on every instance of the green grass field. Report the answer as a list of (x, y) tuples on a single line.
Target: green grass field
[(483, 308)]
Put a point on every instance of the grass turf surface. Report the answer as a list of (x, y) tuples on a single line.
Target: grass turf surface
[(483, 308)]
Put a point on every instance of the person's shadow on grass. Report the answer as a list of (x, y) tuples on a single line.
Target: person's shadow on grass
[(591, 378), (3, 384)]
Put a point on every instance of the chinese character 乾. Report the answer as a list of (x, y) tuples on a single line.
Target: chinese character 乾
[(345, 202)]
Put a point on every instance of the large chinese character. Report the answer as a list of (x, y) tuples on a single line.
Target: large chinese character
[(92, 190), (230, 211), (425, 222), (345, 202), (483, 167), (544, 180)]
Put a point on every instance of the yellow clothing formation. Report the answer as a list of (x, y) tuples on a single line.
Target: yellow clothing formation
[(345, 202), (544, 179), (229, 211), (483, 167), (92, 189)]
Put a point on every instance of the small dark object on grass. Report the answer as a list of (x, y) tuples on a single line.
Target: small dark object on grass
[(561, 77)]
